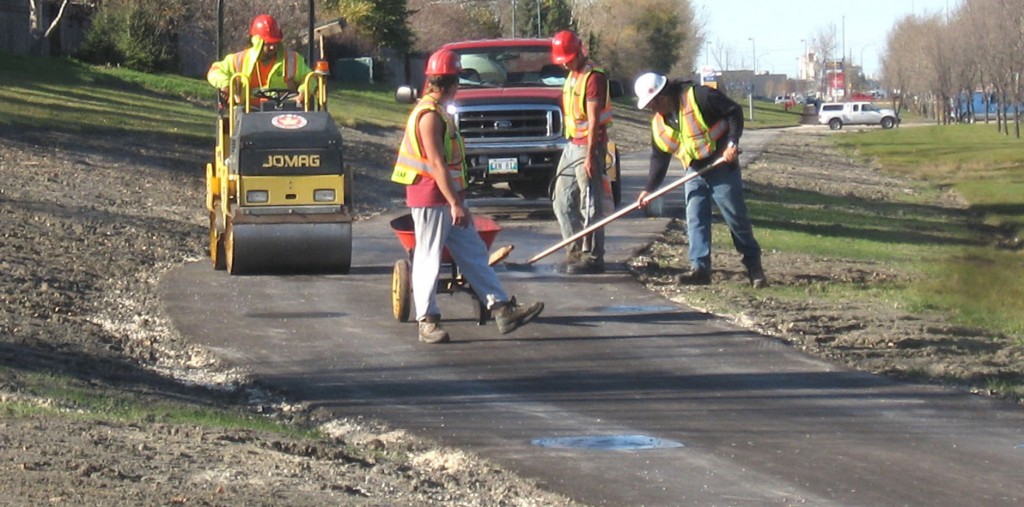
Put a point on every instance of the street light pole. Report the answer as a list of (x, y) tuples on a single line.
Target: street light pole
[(707, 53), (842, 62), (803, 62)]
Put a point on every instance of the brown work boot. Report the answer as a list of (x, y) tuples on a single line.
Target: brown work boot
[(510, 315), (695, 276), (571, 257), (431, 332), (756, 275), (587, 265)]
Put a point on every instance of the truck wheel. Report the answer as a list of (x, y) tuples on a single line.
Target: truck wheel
[(835, 124), (888, 123)]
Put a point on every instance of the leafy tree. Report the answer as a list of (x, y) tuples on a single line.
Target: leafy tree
[(383, 22), (554, 15), (133, 33)]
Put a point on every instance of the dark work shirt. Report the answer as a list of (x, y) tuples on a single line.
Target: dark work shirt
[(713, 105)]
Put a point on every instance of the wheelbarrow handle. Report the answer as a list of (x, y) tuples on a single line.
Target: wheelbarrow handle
[(619, 214)]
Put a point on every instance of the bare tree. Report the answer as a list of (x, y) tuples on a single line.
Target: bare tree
[(645, 35), (824, 46)]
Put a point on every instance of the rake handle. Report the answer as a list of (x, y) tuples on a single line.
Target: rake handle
[(619, 214)]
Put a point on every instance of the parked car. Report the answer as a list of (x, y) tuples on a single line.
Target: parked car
[(837, 114)]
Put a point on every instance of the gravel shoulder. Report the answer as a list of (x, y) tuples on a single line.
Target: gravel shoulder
[(90, 224)]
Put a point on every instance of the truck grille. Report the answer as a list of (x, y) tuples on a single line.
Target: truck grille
[(497, 123)]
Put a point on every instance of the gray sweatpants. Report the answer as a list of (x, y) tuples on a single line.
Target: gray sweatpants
[(434, 231), (577, 198)]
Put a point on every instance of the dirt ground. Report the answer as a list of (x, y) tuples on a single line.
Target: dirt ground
[(90, 223)]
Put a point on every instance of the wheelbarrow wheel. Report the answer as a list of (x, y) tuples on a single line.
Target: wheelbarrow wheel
[(401, 290)]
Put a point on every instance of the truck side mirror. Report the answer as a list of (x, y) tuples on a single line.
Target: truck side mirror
[(615, 88), (406, 94)]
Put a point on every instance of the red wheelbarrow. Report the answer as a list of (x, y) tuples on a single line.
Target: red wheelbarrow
[(401, 276)]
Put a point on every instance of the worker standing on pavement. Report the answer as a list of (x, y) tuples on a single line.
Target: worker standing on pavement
[(432, 166), (699, 125), (267, 63), (579, 182)]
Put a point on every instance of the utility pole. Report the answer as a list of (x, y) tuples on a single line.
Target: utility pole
[(753, 79), (538, 19), (513, 19)]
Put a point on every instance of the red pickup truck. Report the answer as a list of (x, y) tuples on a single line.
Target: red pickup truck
[(509, 111)]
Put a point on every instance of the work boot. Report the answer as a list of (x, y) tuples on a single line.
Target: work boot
[(510, 315), (756, 275), (695, 276), (572, 257), (431, 332), (587, 265)]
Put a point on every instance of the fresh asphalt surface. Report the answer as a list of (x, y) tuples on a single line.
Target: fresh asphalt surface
[(655, 403)]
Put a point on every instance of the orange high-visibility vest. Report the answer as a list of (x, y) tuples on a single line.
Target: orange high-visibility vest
[(288, 68), (694, 140), (412, 162), (574, 103)]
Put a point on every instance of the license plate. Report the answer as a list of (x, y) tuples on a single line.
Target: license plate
[(503, 166)]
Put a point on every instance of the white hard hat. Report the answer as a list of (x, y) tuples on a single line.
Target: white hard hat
[(647, 87)]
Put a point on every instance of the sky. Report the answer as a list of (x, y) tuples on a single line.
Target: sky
[(779, 27)]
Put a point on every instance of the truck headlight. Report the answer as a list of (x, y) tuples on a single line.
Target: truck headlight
[(257, 196), (324, 195)]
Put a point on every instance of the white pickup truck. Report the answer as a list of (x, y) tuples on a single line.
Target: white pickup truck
[(837, 114)]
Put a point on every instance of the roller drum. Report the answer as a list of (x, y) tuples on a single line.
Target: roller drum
[(290, 248)]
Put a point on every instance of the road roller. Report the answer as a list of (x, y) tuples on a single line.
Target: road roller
[(278, 193)]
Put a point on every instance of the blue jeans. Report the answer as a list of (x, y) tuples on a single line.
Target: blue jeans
[(724, 186)]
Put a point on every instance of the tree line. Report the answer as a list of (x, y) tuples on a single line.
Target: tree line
[(931, 61), (627, 38)]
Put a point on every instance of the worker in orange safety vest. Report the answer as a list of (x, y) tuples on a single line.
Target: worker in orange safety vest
[(431, 166), (579, 179), (267, 64)]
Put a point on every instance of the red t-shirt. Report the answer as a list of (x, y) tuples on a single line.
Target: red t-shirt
[(424, 192)]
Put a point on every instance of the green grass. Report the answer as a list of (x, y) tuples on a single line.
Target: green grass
[(366, 105), (69, 96), (52, 393), (957, 266), (768, 115)]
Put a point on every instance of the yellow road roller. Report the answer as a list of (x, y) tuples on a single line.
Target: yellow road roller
[(278, 193)]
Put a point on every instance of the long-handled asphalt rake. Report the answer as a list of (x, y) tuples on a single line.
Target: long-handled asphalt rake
[(622, 212)]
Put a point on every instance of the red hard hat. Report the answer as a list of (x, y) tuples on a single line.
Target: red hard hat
[(443, 63), (565, 46), (265, 26)]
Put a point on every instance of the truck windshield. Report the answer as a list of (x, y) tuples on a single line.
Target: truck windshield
[(509, 67)]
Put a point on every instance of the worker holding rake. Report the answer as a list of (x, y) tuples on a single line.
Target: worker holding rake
[(702, 127)]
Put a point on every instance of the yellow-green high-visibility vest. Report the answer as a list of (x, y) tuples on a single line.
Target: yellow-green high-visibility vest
[(694, 140)]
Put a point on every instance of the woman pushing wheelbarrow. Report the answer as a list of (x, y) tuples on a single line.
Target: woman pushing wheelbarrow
[(431, 164)]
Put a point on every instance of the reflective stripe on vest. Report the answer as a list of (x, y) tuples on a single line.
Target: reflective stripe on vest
[(245, 62), (412, 162), (577, 125), (694, 140)]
